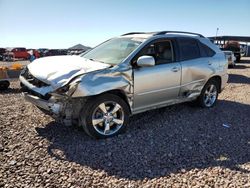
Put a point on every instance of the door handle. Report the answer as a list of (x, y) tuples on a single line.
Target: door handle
[(175, 69)]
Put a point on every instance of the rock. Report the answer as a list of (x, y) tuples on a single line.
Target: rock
[(109, 164), (1, 148), (13, 162)]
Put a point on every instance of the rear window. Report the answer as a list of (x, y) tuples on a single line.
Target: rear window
[(189, 49)]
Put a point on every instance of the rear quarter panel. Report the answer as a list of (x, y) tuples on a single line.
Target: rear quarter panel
[(196, 72)]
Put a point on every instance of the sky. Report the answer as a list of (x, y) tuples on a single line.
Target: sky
[(65, 23)]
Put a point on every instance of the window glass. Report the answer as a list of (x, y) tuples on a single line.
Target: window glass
[(189, 49), (206, 51), (161, 51), (113, 51)]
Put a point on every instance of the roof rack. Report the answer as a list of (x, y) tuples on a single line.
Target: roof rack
[(165, 32), (133, 33)]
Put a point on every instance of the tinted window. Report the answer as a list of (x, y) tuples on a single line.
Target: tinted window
[(189, 49), (206, 51)]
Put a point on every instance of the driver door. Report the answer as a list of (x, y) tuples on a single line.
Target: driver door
[(159, 84)]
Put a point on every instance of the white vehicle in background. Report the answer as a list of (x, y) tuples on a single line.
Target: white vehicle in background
[(230, 58)]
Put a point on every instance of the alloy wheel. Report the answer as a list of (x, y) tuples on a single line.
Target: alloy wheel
[(210, 95), (108, 118)]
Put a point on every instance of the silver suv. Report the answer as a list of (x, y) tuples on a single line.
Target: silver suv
[(129, 74)]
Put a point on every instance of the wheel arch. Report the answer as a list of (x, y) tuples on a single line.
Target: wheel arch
[(216, 78), (119, 93)]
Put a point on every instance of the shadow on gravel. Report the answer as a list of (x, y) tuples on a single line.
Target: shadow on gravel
[(246, 61), (160, 142), (237, 78), (240, 67), (10, 91)]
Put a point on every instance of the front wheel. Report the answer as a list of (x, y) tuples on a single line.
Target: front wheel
[(104, 116), (209, 94)]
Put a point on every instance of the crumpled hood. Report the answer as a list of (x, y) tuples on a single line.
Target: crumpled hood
[(59, 70)]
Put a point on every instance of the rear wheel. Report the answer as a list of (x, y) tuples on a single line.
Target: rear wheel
[(231, 65), (104, 116), (4, 85), (209, 94)]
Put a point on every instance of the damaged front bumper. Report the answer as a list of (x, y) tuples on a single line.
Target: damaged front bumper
[(61, 109), (51, 107)]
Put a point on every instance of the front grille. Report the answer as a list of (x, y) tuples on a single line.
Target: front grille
[(32, 80)]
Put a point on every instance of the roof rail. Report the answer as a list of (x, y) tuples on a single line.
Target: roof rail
[(133, 33), (165, 32)]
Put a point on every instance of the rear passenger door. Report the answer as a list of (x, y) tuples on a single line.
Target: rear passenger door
[(197, 66), (159, 84)]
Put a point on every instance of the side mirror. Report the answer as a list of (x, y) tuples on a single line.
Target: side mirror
[(146, 61)]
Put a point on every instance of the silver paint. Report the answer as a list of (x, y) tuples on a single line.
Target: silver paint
[(145, 88)]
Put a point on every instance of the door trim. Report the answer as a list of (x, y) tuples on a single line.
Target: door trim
[(159, 90)]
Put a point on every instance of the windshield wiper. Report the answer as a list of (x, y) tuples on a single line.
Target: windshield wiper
[(101, 62), (97, 60)]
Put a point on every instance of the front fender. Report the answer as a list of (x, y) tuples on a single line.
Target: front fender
[(106, 80)]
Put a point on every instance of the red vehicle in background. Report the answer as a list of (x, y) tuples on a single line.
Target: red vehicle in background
[(20, 53), (34, 52)]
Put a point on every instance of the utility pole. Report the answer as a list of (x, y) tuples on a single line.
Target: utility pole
[(217, 29)]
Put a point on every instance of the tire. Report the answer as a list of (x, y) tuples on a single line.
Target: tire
[(238, 59), (231, 66), (4, 85), (209, 94), (104, 116)]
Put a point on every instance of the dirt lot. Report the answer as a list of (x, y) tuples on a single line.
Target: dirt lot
[(177, 146), (8, 64)]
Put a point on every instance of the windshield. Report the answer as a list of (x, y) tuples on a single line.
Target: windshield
[(114, 51)]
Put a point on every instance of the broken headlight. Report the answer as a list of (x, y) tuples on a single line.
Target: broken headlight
[(68, 89), (62, 90)]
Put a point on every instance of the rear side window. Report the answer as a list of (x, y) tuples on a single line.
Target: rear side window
[(205, 50), (189, 49)]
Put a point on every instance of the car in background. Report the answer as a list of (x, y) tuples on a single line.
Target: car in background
[(2, 52), (34, 52), (230, 58), (75, 51), (20, 53), (42, 51), (55, 52), (233, 46), (16, 53), (126, 75)]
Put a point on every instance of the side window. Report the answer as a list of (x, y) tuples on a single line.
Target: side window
[(162, 51), (189, 49), (205, 50)]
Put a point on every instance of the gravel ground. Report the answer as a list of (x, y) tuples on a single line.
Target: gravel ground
[(177, 146), (8, 64)]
